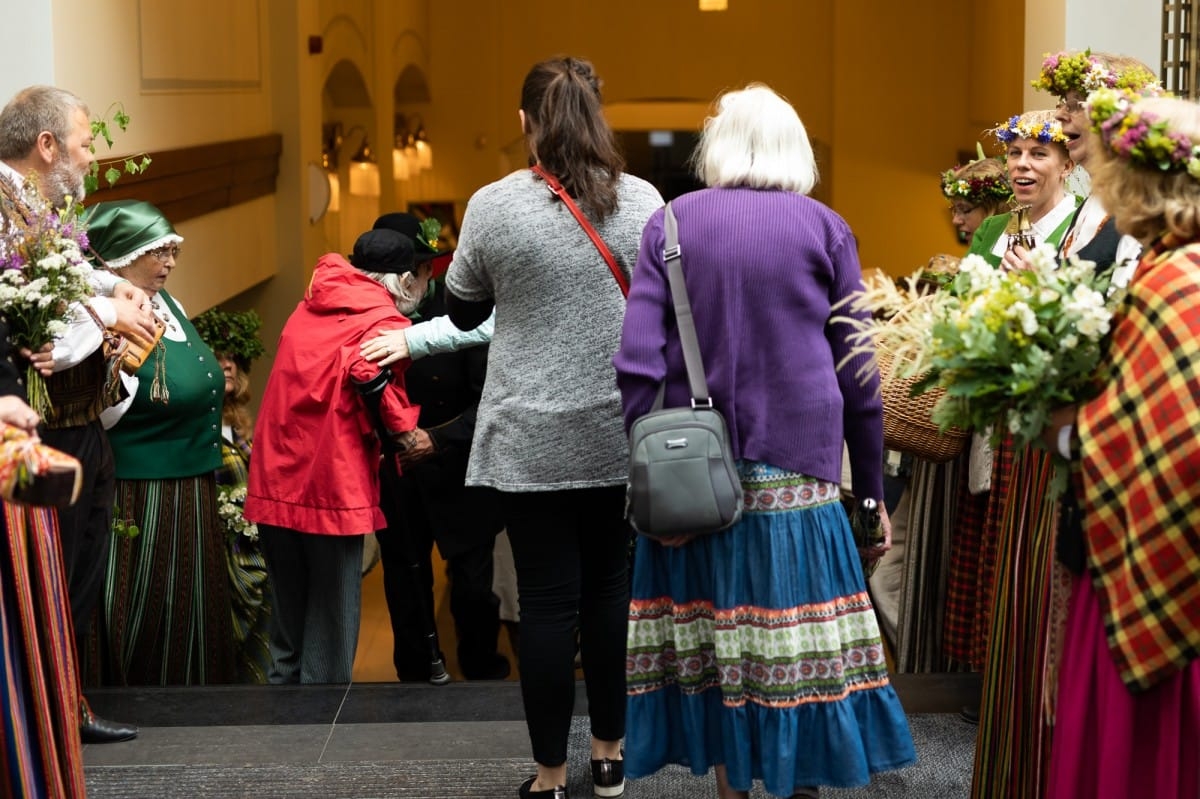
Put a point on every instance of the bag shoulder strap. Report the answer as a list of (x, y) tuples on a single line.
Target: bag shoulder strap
[(558, 191), (673, 256)]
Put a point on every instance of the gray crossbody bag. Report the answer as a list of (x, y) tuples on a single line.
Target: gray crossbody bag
[(682, 478)]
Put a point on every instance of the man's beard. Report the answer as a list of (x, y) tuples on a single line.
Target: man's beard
[(62, 182)]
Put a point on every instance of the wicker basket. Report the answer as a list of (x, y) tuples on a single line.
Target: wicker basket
[(908, 424)]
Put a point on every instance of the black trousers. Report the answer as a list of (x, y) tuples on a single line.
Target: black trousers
[(405, 550), (571, 553), (86, 527)]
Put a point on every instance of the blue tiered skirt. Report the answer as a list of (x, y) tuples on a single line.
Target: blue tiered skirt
[(758, 648)]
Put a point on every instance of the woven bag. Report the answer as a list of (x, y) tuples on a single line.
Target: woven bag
[(908, 424)]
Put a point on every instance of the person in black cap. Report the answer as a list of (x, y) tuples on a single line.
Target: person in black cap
[(429, 502), (314, 479)]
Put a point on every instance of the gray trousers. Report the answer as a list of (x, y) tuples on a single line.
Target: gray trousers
[(317, 586)]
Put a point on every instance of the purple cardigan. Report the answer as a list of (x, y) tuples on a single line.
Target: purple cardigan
[(763, 269)]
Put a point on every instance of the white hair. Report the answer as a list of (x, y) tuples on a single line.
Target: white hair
[(407, 289), (755, 139)]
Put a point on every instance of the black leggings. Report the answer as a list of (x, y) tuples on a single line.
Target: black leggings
[(571, 554)]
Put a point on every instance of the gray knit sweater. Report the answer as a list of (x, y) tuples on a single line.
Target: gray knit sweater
[(550, 415)]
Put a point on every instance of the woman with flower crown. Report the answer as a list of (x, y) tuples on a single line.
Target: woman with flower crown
[(1069, 76), (975, 191), (1011, 588), (1128, 714), (1024, 595), (1038, 163)]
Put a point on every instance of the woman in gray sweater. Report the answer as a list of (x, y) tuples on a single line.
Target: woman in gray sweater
[(549, 434)]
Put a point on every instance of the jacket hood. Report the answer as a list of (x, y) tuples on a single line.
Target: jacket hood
[(338, 287)]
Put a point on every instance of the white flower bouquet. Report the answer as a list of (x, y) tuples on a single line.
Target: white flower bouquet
[(1005, 347), (42, 271), (230, 502)]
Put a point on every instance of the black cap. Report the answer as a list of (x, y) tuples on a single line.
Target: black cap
[(383, 251), (410, 226)]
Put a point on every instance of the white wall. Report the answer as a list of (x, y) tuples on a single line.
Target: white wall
[(26, 46), (1128, 27)]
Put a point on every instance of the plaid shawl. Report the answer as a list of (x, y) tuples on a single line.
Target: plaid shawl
[(1140, 452)]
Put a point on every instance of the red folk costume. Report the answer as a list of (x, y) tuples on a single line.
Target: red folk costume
[(1128, 715), (1140, 451), (316, 456)]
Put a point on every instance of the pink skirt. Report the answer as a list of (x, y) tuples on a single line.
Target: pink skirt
[(1113, 744)]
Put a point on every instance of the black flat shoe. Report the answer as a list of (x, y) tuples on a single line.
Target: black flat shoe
[(526, 791), (608, 778), (969, 714), (95, 730)]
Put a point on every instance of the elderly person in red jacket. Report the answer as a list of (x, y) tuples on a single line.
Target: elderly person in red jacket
[(314, 477)]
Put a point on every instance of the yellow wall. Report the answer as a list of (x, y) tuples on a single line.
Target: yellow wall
[(186, 73), (895, 93)]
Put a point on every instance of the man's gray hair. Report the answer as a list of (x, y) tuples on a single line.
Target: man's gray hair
[(31, 111)]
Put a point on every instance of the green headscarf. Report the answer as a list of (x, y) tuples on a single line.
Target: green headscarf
[(121, 231)]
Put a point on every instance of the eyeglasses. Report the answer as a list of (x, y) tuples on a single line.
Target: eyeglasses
[(961, 209), (166, 253), (1070, 106)]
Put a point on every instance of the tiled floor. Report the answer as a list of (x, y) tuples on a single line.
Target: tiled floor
[(196, 736), (369, 741)]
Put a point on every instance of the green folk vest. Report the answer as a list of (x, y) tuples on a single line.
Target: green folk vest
[(993, 227), (182, 437)]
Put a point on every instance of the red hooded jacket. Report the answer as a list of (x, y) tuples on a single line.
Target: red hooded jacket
[(315, 463)]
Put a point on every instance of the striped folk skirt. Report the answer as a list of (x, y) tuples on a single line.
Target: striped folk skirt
[(167, 617), (40, 751), (758, 648), (1029, 604)]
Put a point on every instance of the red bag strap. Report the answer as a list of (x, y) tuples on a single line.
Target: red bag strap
[(558, 191)]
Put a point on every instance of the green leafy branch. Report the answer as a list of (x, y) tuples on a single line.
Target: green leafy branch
[(131, 165), (123, 525)]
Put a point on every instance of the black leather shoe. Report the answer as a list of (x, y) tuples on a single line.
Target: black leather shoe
[(969, 714), (526, 791), (95, 730), (608, 778)]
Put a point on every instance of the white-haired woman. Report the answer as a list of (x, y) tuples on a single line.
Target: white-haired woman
[(313, 486), (756, 650)]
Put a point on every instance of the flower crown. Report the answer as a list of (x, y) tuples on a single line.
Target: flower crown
[(1140, 137), (974, 189), (1018, 128), (1065, 72)]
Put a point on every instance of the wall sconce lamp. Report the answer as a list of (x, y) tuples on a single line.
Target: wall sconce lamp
[(412, 151), (400, 169), (713, 5), (331, 140), (364, 172)]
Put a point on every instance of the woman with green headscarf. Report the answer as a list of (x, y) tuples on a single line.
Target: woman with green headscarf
[(167, 618)]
